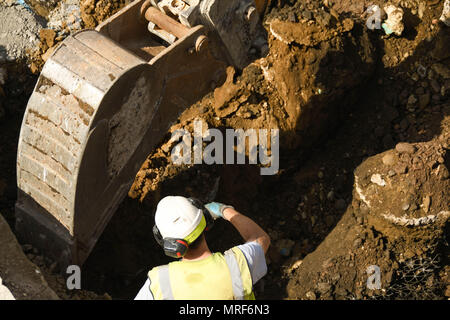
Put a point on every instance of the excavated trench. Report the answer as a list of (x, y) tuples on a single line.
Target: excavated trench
[(315, 177), (354, 106)]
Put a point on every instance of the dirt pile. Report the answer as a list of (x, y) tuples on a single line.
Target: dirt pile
[(397, 221), (62, 18), (43, 7), (19, 32), (94, 12), (392, 222), (390, 189), (65, 17), (302, 88)]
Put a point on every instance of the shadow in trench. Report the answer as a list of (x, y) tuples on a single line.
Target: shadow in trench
[(14, 95)]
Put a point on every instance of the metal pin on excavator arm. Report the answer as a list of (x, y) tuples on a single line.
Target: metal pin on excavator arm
[(106, 98)]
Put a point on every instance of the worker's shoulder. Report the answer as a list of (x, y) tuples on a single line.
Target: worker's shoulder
[(251, 248), (153, 271), (248, 250)]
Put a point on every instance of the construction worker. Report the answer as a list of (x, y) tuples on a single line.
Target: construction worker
[(200, 274)]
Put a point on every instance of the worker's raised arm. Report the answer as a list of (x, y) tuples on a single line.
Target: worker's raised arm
[(248, 228)]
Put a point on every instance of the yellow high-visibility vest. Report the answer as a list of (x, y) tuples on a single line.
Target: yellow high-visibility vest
[(217, 277)]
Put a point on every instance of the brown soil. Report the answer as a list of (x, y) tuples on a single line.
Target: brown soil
[(343, 98), (94, 12), (407, 252), (42, 7)]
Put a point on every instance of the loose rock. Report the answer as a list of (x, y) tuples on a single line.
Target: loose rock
[(426, 204), (404, 147), (445, 17), (323, 287), (340, 204), (389, 159), (377, 179), (394, 22), (312, 296)]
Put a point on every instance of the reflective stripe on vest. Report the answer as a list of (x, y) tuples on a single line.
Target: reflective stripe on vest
[(235, 273), (164, 282)]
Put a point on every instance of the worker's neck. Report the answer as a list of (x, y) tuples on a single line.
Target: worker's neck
[(201, 252)]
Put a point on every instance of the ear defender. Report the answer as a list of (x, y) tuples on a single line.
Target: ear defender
[(158, 236), (177, 248)]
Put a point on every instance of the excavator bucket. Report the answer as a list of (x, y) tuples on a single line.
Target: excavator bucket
[(105, 99)]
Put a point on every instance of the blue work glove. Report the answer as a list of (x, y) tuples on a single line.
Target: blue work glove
[(216, 209)]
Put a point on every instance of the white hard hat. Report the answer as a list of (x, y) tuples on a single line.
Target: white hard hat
[(176, 217)]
